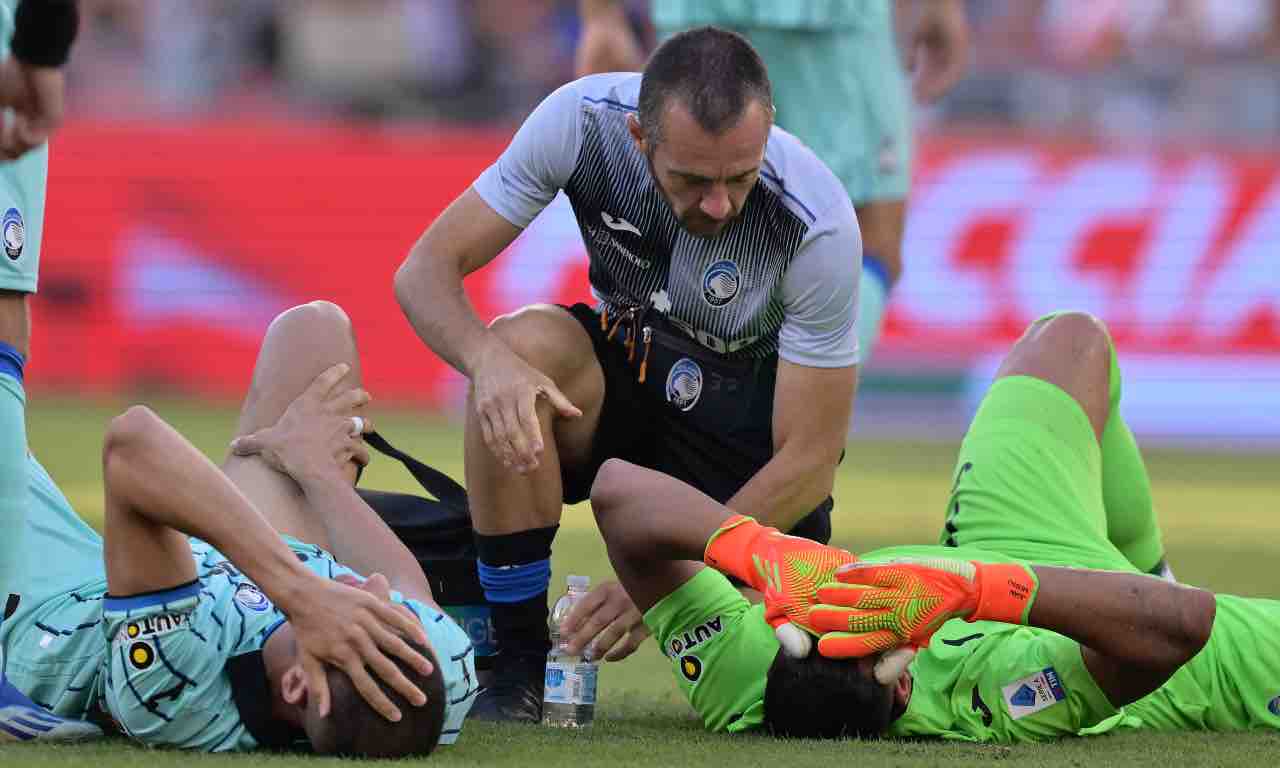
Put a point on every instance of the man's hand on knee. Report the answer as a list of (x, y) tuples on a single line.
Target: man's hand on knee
[(319, 433), (505, 392)]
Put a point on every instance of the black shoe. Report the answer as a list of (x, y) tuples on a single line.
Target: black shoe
[(516, 693)]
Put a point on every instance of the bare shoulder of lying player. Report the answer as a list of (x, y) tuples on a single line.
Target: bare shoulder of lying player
[(1088, 640)]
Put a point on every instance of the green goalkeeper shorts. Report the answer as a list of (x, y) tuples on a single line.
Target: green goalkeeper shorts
[(1028, 480), (720, 649)]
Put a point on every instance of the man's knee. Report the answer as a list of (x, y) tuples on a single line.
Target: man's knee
[(315, 317), (126, 434), (1071, 350), (548, 338), (1080, 334), (607, 495)]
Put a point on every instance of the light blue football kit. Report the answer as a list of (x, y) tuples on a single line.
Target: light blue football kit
[(179, 667), (22, 196), (185, 667), (839, 86)]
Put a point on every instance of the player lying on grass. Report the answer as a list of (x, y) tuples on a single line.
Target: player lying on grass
[(1104, 644), (228, 616)]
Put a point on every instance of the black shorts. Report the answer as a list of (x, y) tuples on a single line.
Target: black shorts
[(638, 427)]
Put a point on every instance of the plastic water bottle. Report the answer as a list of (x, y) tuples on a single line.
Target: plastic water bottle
[(569, 700)]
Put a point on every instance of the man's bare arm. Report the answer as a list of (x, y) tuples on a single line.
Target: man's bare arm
[(1134, 630), (428, 285), (811, 412), (159, 490), (159, 487), (312, 443), (607, 43), (467, 236)]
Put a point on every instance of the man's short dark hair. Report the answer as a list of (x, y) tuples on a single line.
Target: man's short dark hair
[(715, 73), (355, 729), (821, 698)]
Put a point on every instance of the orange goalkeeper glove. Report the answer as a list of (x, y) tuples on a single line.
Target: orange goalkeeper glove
[(787, 569), (873, 607)]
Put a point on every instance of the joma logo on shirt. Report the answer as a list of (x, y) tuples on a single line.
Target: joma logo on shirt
[(694, 637)]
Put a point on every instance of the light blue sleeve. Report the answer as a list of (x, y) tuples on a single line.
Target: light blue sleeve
[(538, 162), (820, 293), (165, 682)]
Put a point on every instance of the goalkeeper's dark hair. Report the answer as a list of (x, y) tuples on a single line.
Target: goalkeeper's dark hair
[(715, 73), (355, 729), (821, 698)]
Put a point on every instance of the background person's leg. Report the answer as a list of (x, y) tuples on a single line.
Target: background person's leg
[(862, 133)]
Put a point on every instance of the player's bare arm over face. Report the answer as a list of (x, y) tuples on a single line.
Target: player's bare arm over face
[(314, 442), (505, 389), (160, 489)]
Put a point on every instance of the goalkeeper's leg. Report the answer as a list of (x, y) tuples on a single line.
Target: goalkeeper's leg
[(1126, 488)]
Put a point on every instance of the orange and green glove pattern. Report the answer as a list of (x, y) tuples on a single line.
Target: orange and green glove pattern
[(872, 607), (787, 569)]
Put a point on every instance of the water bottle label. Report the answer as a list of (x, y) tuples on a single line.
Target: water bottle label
[(570, 683)]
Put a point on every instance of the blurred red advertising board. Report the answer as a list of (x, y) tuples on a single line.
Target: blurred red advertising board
[(168, 248)]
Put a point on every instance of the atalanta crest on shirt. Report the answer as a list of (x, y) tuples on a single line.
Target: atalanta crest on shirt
[(720, 283), (252, 598), (684, 384), (14, 233)]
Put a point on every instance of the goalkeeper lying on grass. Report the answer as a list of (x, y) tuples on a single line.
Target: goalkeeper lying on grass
[(1034, 622)]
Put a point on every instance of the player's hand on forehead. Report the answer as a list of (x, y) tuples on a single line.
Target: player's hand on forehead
[(320, 431), (358, 630), (376, 585)]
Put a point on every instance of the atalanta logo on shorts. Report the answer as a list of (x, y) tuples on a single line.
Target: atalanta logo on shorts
[(14, 232), (720, 283), (252, 598), (684, 384), (691, 667), (1273, 706)]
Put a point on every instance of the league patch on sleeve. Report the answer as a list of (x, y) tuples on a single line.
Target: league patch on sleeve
[(1033, 693)]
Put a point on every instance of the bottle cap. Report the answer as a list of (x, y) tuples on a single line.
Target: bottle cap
[(579, 582)]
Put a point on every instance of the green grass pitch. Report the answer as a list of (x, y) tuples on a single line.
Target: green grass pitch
[(1222, 531)]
